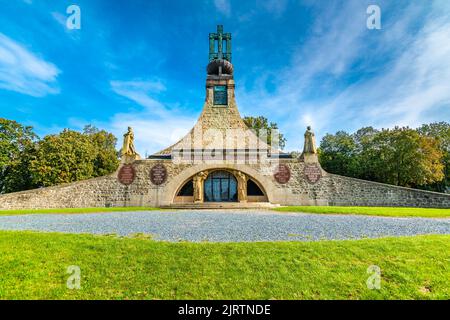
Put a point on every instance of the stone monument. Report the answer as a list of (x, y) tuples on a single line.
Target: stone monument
[(128, 152), (309, 154)]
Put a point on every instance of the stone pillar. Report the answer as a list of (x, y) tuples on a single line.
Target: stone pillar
[(242, 185), (199, 181)]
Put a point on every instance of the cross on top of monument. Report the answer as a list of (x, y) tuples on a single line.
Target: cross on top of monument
[(221, 38)]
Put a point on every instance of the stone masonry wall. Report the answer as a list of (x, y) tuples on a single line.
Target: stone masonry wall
[(335, 190), (329, 190)]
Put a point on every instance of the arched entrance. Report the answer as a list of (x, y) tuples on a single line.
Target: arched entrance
[(220, 186)]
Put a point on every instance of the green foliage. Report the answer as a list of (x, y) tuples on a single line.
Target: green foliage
[(34, 266), (262, 127), (16, 147), (441, 132), (27, 162), (337, 153), (61, 158), (399, 156), (106, 156)]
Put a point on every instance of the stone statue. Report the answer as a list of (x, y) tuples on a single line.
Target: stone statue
[(242, 185), (128, 151), (310, 142), (199, 180)]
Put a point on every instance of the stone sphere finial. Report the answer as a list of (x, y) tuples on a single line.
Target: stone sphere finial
[(219, 66)]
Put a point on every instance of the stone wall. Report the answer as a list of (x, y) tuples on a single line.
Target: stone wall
[(329, 190), (344, 191)]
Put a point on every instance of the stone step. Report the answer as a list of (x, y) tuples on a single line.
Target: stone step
[(222, 205)]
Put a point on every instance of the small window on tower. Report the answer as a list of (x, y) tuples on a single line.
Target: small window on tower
[(220, 95)]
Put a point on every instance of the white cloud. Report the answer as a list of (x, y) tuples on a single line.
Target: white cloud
[(155, 126), (223, 6), (60, 18), (410, 88), (24, 72), (140, 92), (151, 135)]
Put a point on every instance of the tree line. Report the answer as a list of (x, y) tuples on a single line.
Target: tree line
[(402, 156), (418, 158), (28, 162)]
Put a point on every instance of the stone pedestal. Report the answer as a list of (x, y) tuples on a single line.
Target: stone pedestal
[(127, 159)]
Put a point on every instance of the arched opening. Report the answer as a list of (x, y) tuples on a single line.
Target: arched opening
[(220, 186), (255, 192), (187, 190), (186, 193), (253, 189)]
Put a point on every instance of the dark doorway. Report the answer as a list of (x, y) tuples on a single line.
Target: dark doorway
[(220, 186), (187, 189), (253, 189)]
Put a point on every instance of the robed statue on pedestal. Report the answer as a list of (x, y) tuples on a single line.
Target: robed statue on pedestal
[(128, 151)]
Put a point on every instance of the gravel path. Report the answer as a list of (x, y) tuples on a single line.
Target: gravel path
[(226, 226)]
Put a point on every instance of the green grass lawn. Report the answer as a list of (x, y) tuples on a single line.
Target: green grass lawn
[(74, 210), (34, 265), (372, 211)]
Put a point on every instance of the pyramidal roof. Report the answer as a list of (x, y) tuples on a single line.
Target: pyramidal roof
[(218, 127)]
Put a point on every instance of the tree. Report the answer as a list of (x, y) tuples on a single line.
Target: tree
[(337, 154), (16, 146), (441, 132), (261, 123), (400, 156), (27, 162), (72, 156), (62, 158), (106, 157), (407, 158)]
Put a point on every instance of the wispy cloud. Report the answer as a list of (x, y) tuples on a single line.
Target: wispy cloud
[(152, 135), (155, 126), (403, 73), (23, 71), (60, 18), (223, 6), (276, 7), (141, 93)]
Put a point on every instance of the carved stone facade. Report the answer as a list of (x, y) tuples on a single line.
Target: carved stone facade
[(331, 189)]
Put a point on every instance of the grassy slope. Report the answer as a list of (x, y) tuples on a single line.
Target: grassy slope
[(372, 211), (74, 210), (33, 266)]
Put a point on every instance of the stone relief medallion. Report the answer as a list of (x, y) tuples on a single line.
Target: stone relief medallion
[(158, 174), (312, 173), (282, 174), (126, 174)]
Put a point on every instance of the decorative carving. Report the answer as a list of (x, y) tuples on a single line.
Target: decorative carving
[(126, 174), (312, 172), (199, 180), (283, 174), (310, 142), (158, 174)]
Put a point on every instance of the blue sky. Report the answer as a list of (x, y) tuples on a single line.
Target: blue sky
[(142, 63)]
